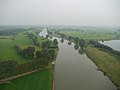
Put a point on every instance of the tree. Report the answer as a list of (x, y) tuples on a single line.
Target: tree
[(76, 46), (46, 44), (44, 54), (47, 36), (62, 40), (69, 38), (55, 41), (81, 51), (76, 40), (30, 52), (82, 43), (7, 68), (39, 54), (34, 40), (51, 54), (69, 43)]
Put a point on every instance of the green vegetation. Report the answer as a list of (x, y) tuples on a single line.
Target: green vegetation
[(40, 80), (22, 52), (109, 64), (7, 44), (89, 33), (11, 68), (7, 51)]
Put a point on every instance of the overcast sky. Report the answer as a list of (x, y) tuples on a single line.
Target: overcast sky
[(60, 12)]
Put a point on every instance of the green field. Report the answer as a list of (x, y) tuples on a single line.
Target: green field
[(106, 62), (92, 33), (7, 50), (40, 80)]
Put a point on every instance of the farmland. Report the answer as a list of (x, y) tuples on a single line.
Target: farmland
[(92, 33), (15, 59), (7, 50), (40, 80)]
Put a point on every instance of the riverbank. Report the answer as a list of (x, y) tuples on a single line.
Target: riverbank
[(106, 63)]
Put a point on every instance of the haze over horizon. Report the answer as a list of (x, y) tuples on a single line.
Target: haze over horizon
[(60, 12)]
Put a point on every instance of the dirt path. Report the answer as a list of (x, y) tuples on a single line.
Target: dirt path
[(20, 75)]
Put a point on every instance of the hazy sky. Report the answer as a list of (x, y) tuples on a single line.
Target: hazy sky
[(60, 12)]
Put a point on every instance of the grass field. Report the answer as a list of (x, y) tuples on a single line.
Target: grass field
[(93, 33), (36, 81), (106, 62), (7, 50)]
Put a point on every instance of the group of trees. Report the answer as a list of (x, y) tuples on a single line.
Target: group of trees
[(11, 68), (46, 54), (104, 47), (33, 38), (49, 34), (77, 41), (7, 68), (40, 59), (9, 32), (50, 44), (27, 52)]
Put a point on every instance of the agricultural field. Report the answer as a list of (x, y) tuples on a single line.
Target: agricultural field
[(7, 50), (7, 43), (18, 55), (92, 33), (40, 80)]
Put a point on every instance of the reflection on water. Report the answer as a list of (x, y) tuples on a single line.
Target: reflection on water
[(76, 47), (74, 71), (69, 42), (62, 40), (81, 51)]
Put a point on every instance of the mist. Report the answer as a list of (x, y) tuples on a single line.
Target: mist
[(60, 12)]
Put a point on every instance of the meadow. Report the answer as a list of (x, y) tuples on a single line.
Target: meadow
[(92, 33), (40, 80), (107, 63), (7, 50)]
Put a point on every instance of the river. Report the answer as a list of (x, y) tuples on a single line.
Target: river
[(74, 71), (114, 44)]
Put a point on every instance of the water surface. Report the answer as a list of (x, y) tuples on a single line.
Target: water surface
[(77, 72), (114, 44)]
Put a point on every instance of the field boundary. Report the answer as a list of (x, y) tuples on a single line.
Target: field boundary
[(20, 75)]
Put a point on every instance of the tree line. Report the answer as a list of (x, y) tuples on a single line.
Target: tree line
[(79, 42), (11, 68), (9, 32), (104, 47), (26, 52)]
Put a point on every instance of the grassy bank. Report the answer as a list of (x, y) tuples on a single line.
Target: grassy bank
[(40, 80), (109, 64)]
